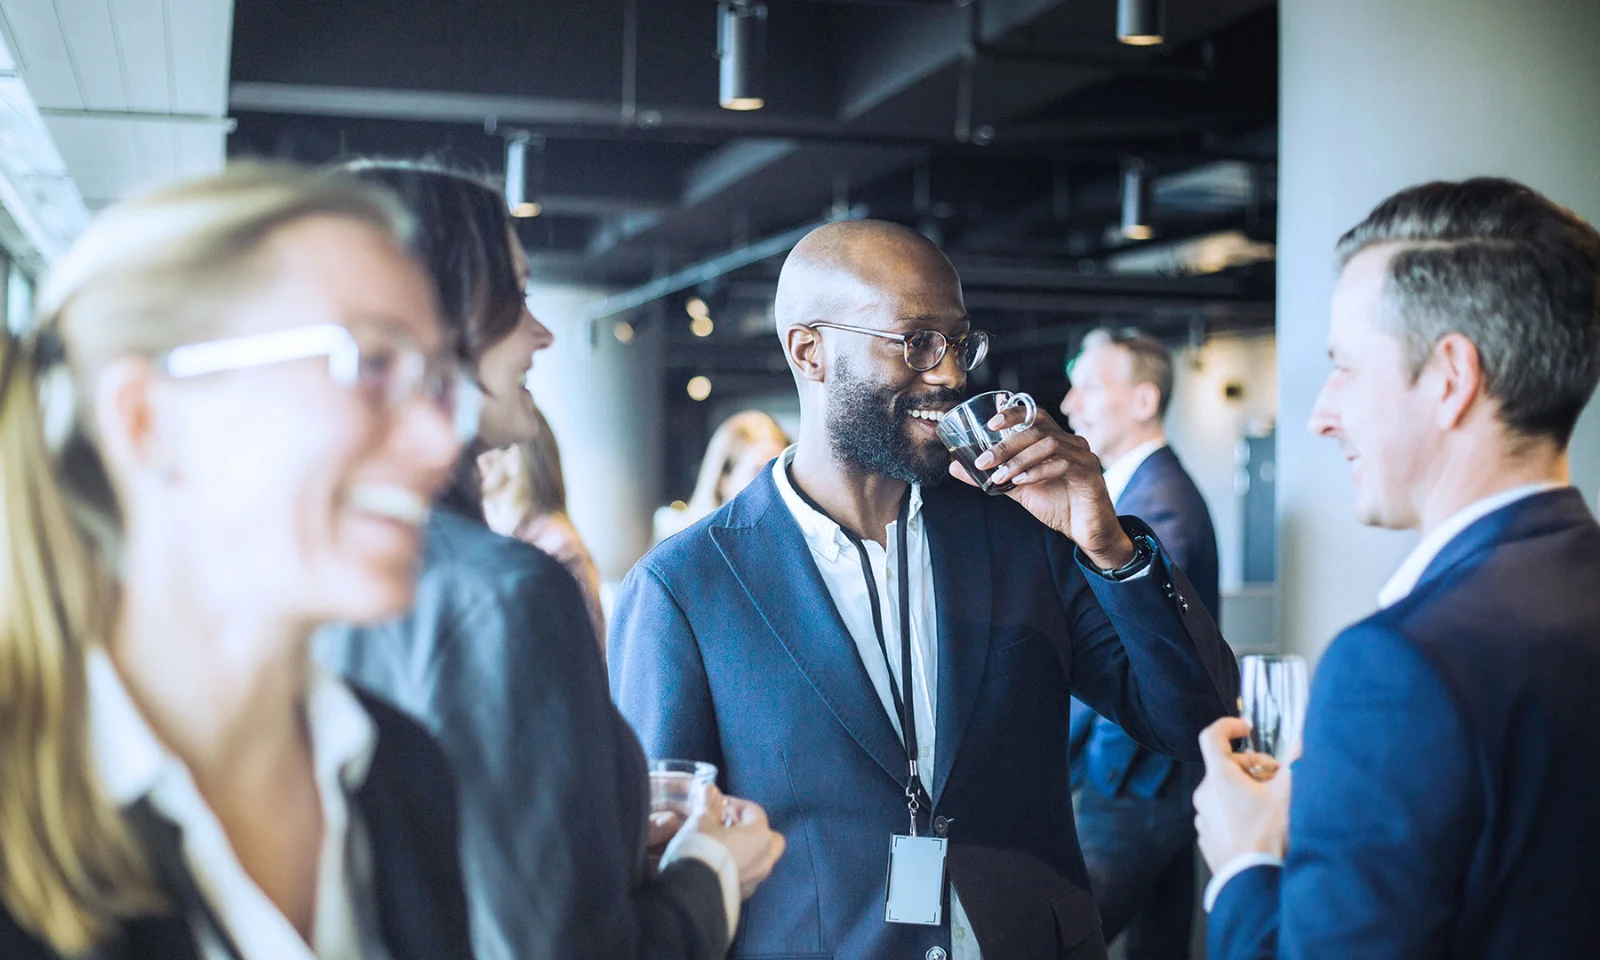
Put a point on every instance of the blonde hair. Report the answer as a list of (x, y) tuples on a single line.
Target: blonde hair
[(736, 434), (148, 275)]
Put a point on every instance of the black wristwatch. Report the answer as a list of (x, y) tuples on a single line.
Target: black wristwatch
[(1143, 550)]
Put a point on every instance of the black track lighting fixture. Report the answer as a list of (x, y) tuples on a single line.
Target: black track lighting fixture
[(741, 52), (1141, 23), (524, 170), (1138, 191)]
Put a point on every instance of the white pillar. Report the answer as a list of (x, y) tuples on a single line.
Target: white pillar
[(603, 400), (1378, 95)]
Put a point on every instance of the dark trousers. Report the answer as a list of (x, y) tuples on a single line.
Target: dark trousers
[(1140, 855)]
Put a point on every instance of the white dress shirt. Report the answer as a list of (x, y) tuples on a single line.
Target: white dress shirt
[(1398, 588), (133, 764), (840, 565), (1119, 472)]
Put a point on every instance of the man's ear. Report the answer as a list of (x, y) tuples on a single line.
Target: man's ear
[(125, 415), (1146, 402), (1456, 370), (803, 346)]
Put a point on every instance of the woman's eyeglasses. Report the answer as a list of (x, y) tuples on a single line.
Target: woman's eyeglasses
[(390, 373), (924, 349)]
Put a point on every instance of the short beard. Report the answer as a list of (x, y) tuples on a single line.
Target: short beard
[(867, 430)]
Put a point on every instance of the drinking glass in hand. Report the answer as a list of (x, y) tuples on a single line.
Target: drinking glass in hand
[(1274, 701), (676, 784), (966, 434)]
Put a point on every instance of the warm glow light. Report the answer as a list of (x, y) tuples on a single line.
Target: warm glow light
[(623, 331), (744, 103), (699, 388), (1138, 232), (696, 308), (526, 209), (701, 326), (1142, 39)]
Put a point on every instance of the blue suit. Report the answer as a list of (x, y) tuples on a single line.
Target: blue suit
[(1135, 817), (1447, 804), (726, 647)]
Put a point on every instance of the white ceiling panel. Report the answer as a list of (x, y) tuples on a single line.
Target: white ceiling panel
[(133, 92), (96, 56), (201, 33), (39, 45), (142, 37)]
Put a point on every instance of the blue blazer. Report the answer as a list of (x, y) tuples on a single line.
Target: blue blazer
[(726, 647), (1161, 494), (407, 807), (1447, 804)]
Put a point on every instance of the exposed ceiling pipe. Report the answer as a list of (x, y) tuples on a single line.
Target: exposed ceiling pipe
[(717, 266)]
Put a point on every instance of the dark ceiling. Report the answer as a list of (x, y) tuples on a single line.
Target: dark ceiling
[(997, 127)]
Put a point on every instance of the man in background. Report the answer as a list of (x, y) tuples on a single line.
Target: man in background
[(1135, 820)]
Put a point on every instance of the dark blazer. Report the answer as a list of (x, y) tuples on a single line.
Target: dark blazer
[(499, 660), (1162, 494), (1447, 804), (407, 807), (726, 647)]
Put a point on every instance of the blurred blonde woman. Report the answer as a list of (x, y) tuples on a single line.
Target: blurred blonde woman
[(524, 496), (225, 429), (741, 446)]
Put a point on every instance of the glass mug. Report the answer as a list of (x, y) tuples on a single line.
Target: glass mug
[(675, 785), (1274, 693), (965, 432)]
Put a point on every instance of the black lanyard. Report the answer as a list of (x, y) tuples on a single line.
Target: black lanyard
[(901, 694)]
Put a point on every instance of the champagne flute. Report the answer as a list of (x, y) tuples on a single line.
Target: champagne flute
[(1274, 701)]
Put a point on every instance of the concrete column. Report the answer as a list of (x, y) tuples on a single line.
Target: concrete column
[(603, 400), (1378, 95)]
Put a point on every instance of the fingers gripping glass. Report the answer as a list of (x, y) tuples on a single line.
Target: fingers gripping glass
[(390, 373), (924, 349)]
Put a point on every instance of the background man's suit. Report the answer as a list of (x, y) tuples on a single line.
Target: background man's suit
[(499, 660), (1447, 804), (1135, 818), (726, 647)]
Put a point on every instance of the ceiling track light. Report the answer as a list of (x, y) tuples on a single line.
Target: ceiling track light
[(1141, 23), (1138, 200), (741, 53), (524, 171)]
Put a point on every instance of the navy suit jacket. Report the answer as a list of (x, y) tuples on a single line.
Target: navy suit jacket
[(1447, 804), (407, 806), (726, 647), (1161, 494)]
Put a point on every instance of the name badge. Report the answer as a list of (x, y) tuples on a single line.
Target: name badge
[(916, 880)]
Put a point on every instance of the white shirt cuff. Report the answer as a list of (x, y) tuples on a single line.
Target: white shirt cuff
[(1233, 868), (714, 854)]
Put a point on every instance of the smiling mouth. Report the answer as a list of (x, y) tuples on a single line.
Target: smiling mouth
[(929, 416)]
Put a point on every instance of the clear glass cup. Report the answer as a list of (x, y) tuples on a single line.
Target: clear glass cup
[(965, 432), (1273, 698), (676, 785)]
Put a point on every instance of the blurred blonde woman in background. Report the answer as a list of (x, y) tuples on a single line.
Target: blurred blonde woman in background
[(741, 446), (524, 496), (225, 429)]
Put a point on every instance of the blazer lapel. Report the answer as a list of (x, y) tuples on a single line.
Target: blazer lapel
[(769, 556), (958, 542), (1531, 516)]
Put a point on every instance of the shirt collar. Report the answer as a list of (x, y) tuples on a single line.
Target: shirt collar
[(132, 762), (823, 535), (1121, 470), (1416, 564)]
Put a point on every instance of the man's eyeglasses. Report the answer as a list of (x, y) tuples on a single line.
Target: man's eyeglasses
[(390, 373), (924, 349)]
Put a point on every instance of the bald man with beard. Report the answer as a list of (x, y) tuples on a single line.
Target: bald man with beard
[(767, 639)]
